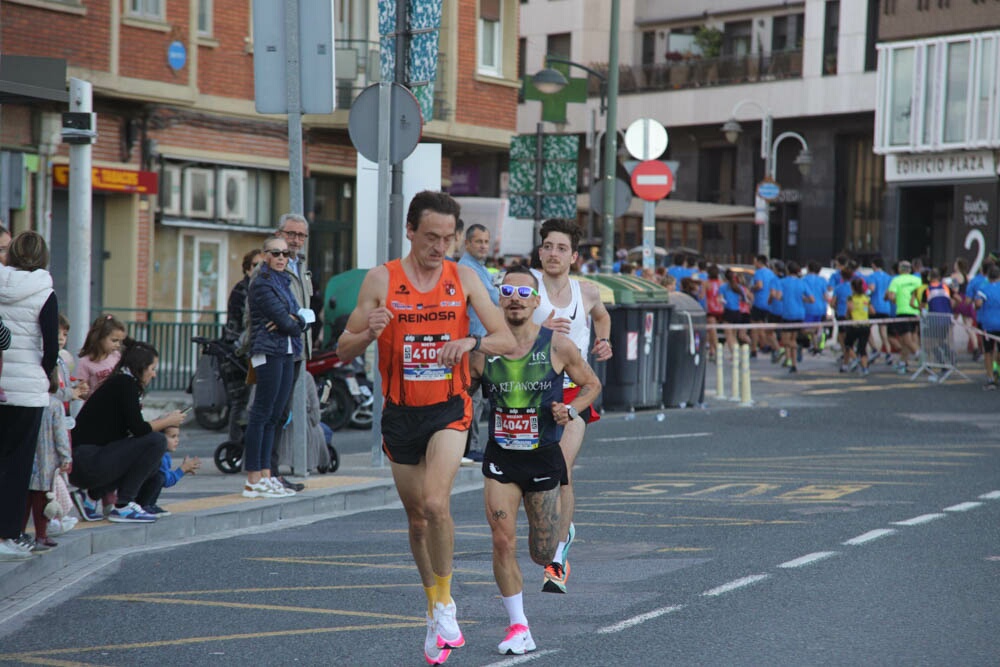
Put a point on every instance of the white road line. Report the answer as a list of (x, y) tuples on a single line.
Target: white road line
[(666, 436), (869, 536), (992, 495), (963, 507), (917, 520), (636, 620), (808, 559), (736, 584), (521, 659)]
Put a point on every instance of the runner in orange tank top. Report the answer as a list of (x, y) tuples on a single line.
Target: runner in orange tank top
[(416, 309)]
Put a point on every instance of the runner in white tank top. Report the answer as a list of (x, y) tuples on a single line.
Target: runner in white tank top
[(575, 312)]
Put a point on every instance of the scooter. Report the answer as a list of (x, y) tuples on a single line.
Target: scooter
[(345, 394)]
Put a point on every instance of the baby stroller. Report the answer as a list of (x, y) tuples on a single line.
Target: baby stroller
[(221, 379)]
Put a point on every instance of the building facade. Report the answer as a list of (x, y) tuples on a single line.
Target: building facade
[(809, 65), (937, 124), (188, 176)]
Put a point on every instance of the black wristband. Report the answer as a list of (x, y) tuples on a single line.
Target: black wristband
[(479, 341)]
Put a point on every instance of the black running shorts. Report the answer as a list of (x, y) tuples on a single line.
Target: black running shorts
[(533, 470), (406, 430)]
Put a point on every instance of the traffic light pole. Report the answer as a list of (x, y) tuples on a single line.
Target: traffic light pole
[(610, 147)]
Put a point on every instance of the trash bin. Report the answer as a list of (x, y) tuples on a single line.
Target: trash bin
[(684, 380), (633, 377)]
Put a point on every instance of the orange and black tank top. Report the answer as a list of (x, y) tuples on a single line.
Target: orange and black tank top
[(422, 323)]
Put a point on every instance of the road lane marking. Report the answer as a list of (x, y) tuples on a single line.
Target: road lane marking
[(992, 495), (962, 507), (521, 659), (734, 585), (808, 559), (869, 536), (637, 620), (917, 520), (666, 436)]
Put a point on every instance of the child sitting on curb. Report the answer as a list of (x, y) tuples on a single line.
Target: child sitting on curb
[(149, 492)]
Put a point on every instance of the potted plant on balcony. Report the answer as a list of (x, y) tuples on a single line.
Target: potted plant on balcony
[(709, 41), (678, 68)]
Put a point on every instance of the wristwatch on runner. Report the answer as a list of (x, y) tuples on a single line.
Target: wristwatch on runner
[(571, 411)]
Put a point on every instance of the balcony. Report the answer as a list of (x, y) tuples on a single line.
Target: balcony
[(697, 72)]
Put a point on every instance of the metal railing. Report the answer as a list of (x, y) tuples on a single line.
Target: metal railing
[(697, 72), (170, 332)]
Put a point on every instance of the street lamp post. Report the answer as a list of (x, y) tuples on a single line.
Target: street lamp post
[(552, 81), (769, 153)]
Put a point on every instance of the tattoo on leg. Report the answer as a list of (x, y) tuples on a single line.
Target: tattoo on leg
[(499, 515), (543, 517)]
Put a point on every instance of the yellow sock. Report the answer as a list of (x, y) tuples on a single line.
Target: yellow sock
[(431, 591), (443, 589)]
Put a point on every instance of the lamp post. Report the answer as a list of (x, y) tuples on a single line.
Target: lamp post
[(769, 153), (552, 81)]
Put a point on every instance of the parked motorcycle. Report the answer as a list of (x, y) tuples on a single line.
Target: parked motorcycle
[(345, 394)]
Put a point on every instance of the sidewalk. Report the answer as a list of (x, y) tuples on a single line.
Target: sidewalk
[(214, 508)]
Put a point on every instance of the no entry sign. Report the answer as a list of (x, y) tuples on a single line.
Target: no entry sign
[(652, 180)]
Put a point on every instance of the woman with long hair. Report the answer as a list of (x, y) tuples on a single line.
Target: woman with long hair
[(114, 448)]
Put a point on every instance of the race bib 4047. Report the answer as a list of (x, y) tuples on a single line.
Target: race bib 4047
[(420, 357), (516, 428)]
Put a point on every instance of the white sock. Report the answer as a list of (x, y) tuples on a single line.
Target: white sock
[(558, 558), (515, 609)]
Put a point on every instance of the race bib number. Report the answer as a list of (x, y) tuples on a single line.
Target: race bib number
[(516, 428), (420, 357)]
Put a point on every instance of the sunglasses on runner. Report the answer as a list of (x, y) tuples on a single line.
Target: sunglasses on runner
[(523, 291), (279, 253)]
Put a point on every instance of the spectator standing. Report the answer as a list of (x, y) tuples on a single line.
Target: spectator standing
[(30, 310), (477, 249), (276, 326), (237, 304), (52, 457), (4, 247), (114, 448)]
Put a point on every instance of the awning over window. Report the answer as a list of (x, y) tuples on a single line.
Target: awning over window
[(28, 78), (675, 209)]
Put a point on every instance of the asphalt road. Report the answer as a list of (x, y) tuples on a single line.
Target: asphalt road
[(863, 527)]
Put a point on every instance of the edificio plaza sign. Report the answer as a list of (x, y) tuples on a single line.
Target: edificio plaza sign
[(960, 165)]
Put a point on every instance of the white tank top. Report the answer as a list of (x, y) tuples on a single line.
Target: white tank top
[(579, 327)]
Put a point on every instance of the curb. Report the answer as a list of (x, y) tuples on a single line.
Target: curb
[(16, 578)]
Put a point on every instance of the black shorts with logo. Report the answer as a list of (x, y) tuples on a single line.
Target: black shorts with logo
[(533, 470), (406, 430)]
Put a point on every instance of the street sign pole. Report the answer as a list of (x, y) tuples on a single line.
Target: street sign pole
[(610, 146), (648, 234), (294, 105), (396, 213)]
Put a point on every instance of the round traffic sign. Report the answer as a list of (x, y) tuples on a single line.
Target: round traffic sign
[(646, 139), (652, 180), (176, 55), (405, 123), (623, 197), (768, 189)]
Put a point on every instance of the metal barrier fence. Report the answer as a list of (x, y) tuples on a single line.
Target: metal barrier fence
[(170, 332), (937, 354)]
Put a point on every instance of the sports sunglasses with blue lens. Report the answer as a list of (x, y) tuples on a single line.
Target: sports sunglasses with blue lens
[(522, 291)]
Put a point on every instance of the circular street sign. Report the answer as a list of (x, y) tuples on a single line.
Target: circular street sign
[(652, 180), (646, 139), (768, 190), (176, 55), (623, 197), (405, 127)]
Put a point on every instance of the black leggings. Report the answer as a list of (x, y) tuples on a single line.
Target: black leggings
[(122, 466), (18, 439)]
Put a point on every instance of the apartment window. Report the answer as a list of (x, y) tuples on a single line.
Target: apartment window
[(736, 38), (522, 54), (901, 97), (956, 95), (930, 95), (559, 45), (205, 18), (490, 37), (146, 9), (831, 35), (984, 99), (681, 40), (648, 47), (871, 35), (786, 33)]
